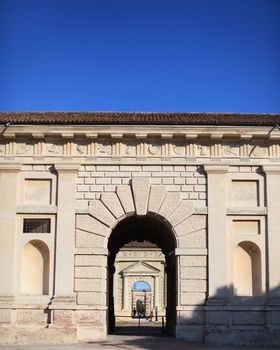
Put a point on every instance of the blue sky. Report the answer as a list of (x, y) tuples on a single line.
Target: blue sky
[(140, 55)]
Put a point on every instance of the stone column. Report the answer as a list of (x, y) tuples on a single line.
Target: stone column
[(125, 301), (273, 231), (156, 291), (8, 196), (65, 234), (217, 234)]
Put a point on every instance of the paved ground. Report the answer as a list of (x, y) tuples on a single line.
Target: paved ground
[(130, 342)]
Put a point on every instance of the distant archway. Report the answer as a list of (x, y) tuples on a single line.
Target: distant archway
[(155, 230)]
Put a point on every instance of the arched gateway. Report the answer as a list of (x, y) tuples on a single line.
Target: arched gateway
[(78, 189), (140, 211)]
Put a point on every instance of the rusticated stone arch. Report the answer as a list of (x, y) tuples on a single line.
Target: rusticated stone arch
[(140, 198)]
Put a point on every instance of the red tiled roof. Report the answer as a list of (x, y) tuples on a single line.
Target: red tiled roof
[(140, 118)]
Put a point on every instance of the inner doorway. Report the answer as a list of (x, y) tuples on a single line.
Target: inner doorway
[(137, 231)]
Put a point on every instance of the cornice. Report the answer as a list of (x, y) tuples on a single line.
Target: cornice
[(10, 167)]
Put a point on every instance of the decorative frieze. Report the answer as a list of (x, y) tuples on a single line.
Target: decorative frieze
[(139, 147)]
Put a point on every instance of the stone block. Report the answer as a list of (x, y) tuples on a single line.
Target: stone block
[(191, 317), (98, 210), (107, 168), (83, 188), (88, 272), (170, 203), (193, 260), (103, 181), (193, 273), (167, 168), (167, 181), (199, 188), (28, 316), (125, 196), (88, 285), (157, 194), (141, 189), (218, 317), (275, 317), (192, 298), (109, 188), (191, 181), (187, 188), (111, 201), (193, 224), (179, 168), (89, 298), (248, 318), (7, 335), (89, 240), (5, 315), (193, 240), (117, 174), (130, 168), (182, 212), (91, 334), (90, 181), (193, 285), (94, 317), (192, 333), (90, 167), (179, 181), (84, 174), (153, 168), (63, 317), (90, 224), (87, 260)]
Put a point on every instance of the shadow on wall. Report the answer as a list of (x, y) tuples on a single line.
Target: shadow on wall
[(225, 319)]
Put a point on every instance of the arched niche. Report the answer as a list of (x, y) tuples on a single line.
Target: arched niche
[(35, 269), (247, 273)]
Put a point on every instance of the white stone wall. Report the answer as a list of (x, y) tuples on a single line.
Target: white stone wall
[(188, 180), (220, 197)]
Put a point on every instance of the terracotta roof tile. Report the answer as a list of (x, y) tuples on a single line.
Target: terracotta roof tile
[(139, 118)]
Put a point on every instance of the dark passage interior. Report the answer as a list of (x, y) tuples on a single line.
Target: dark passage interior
[(155, 230)]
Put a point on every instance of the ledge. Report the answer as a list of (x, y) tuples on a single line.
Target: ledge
[(36, 209), (247, 211), (191, 251)]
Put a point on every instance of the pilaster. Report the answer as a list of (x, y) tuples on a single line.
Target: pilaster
[(273, 231), (65, 235), (217, 234), (8, 197)]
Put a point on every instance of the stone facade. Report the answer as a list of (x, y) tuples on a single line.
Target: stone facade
[(65, 190)]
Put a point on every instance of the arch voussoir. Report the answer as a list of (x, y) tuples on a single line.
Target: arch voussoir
[(141, 191), (125, 196), (181, 213), (98, 210), (112, 203), (170, 203), (157, 194)]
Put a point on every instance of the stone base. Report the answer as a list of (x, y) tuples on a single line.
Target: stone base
[(193, 333), (243, 336), (37, 335)]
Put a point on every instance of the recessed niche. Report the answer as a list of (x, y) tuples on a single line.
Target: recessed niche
[(37, 191), (245, 193), (35, 268), (247, 276), (248, 227)]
